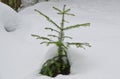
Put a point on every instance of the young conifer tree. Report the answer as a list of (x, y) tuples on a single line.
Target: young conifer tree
[(59, 64)]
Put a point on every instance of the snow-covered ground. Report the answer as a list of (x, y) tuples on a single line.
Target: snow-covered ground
[(21, 55)]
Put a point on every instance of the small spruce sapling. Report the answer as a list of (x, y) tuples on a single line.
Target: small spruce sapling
[(59, 64)]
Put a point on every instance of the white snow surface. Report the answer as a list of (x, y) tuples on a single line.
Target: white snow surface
[(8, 18), (21, 56)]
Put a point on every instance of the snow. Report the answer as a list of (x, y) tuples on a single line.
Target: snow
[(26, 3), (21, 55), (9, 18)]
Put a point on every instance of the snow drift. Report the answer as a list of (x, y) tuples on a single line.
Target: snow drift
[(8, 18)]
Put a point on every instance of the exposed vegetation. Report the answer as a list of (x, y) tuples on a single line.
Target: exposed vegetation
[(15, 4)]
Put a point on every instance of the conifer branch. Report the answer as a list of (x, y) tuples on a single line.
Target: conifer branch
[(56, 43), (66, 11), (70, 14), (81, 45), (57, 9), (77, 25), (53, 36), (39, 37), (47, 28), (67, 37), (50, 20), (44, 42), (48, 43), (60, 13)]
